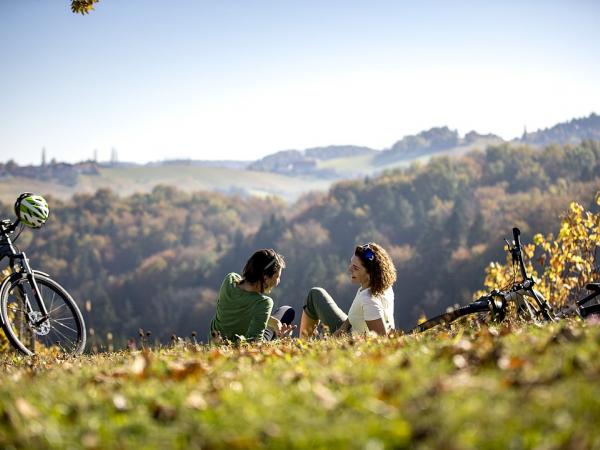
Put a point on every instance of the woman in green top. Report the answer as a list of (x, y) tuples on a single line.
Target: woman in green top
[(244, 309)]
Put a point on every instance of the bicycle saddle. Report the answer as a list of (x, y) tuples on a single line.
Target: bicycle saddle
[(593, 287)]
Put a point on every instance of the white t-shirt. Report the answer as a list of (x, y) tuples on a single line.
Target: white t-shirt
[(366, 307)]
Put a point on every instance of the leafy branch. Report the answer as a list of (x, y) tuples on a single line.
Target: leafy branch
[(83, 7), (567, 261)]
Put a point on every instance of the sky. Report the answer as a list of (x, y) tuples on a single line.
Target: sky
[(225, 79)]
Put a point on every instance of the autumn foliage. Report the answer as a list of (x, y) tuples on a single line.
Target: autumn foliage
[(561, 265), (155, 260), (83, 6)]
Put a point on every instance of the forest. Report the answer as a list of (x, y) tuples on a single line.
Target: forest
[(152, 263)]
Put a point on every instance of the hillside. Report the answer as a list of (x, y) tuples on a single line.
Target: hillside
[(508, 386), (156, 260), (350, 161), (130, 179), (291, 172), (341, 162), (316, 161), (571, 132)]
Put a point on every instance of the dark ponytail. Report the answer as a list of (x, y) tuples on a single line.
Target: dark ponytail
[(262, 264)]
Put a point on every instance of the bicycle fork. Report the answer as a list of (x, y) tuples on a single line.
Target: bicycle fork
[(542, 305), (35, 319), (540, 301)]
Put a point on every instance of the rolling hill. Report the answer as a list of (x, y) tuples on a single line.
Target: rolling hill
[(286, 174), (127, 180)]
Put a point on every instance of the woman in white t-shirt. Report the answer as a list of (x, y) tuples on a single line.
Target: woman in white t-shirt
[(373, 306)]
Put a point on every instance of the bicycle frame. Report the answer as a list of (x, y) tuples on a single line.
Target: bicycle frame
[(585, 311), (527, 286), (19, 263)]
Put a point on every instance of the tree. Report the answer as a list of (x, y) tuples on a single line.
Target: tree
[(83, 6)]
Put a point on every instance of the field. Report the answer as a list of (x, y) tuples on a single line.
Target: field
[(510, 386), (362, 165), (128, 180)]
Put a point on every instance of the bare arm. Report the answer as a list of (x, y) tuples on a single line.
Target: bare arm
[(377, 326)]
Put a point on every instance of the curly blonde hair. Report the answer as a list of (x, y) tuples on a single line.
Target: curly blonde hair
[(379, 266)]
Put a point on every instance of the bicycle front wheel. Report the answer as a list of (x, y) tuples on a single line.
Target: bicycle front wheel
[(451, 316), (25, 326)]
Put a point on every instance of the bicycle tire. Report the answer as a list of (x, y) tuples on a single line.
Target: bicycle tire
[(64, 329), (451, 316)]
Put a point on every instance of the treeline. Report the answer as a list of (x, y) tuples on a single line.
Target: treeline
[(155, 261), (575, 130), (143, 261), (442, 222)]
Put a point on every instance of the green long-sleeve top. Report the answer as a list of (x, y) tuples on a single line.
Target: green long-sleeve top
[(240, 312)]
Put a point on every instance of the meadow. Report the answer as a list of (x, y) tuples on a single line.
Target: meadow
[(477, 386), (130, 180)]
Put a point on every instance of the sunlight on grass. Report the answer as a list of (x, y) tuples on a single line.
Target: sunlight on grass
[(499, 387)]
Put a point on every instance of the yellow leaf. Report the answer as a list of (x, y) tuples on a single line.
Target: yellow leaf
[(324, 395), (196, 401), (26, 410)]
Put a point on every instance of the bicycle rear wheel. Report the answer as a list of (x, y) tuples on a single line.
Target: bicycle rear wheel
[(472, 308), (63, 330)]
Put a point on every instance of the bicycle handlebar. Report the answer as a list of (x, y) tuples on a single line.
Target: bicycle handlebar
[(7, 226)]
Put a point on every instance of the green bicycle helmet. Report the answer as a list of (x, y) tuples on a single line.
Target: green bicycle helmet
[(32, 210)]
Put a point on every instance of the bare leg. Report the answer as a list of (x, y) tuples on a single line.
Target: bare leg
[(307, 326), (319, 306)]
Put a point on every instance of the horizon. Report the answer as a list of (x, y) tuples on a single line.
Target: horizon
[(108, 161), (204, 81)]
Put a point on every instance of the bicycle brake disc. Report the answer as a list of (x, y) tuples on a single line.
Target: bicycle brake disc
[(40, 329)]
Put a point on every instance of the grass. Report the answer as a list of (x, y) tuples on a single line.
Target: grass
[(349, 165), (501, 387)]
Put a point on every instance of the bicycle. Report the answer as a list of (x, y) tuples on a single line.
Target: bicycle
[(530, 304), (585, 311), (36, 312)]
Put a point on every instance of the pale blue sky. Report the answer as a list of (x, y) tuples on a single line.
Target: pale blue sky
[(223, 79)]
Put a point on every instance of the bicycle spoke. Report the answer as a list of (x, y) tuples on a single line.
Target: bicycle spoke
[(64, 330), (62, 319), (64, 326), (52, 300), (57, 308), (66, 337)]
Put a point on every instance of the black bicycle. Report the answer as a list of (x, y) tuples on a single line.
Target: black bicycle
[(529, 303), (37, 313), (587, 310)]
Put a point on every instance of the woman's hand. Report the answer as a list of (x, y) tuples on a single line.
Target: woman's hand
[(285, 330), (281, 329)]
